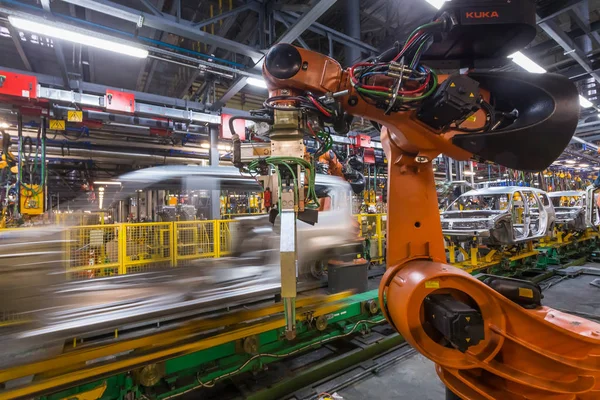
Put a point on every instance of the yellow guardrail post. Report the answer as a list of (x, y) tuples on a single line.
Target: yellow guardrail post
[(122, 249), (173, 240), (217, 238), (379, 237)]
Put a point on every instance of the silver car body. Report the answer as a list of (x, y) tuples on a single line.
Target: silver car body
[(500, 215), (570, 208)]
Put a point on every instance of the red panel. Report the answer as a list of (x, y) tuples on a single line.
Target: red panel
[(362, 141), (369, 156), (160, 132), (238, 124), (116, 100), (18, 85)]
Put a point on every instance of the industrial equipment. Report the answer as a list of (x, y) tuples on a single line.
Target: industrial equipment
[(522, 121), (500, 216)]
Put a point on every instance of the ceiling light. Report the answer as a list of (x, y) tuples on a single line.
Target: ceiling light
[(205, 146), (585, 103), (43, 28), (480, 177), (526, 63), (531, 66), (469, 173), (436, 3), (257, 82), (570, 161), (584, 165), (505, 175), (107, 183), (4, 125), (597, 168)]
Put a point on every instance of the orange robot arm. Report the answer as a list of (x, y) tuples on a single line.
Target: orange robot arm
[(524, 350), (335, 167)]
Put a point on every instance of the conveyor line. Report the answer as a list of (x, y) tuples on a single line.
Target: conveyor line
[(89, 364)]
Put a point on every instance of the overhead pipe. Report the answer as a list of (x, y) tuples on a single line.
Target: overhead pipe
[(90, 141), (134, 120), (56, 153)]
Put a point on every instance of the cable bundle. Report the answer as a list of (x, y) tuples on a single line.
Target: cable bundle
[(409, 83)]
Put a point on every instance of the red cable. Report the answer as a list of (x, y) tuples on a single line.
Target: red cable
[(407, 45), (420, 89), (319, 106)]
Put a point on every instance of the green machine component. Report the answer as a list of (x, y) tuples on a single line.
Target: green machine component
[(167, 378)]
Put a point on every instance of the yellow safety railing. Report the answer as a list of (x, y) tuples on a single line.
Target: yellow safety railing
[(94, 251), (374, 227), (117, 249), (146, 245), (195, 239)]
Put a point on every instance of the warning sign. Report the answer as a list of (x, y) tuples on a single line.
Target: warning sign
[(75, 116), (57, 124)]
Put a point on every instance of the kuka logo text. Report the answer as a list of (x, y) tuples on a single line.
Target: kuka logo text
[(483, 14)]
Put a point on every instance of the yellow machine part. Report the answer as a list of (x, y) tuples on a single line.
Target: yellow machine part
[(32, 200), (92, 394)]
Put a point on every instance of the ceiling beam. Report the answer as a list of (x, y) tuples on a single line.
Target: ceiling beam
[(167, 23), (151, 7), (299, 39), (232, 91), (305, 21), (323, 30), (231, 13), (223, 30), (571, 49), (581, 16), (16, 38), (557, 8), (58, 50)]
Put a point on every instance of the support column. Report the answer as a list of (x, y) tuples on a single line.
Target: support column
[(352, 29), (213, 161), (459, 170)]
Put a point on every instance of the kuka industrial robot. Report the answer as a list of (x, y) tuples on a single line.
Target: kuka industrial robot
[(490, 338)]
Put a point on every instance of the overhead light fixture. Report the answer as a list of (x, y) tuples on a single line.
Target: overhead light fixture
[(584, 165), (585, 103), (115, 183), (468, 173), (257, 82), (597, 168), (46, 29), (570, 161), (480, 177), (205, 146), (526, 63), (436, 3), (4, 125)]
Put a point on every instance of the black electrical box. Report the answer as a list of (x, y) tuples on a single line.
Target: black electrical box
[(460, 324), (353, 275), (455, 99)]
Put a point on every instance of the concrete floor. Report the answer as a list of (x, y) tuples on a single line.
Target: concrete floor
[(413, 378)]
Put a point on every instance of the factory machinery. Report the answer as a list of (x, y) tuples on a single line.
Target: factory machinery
[(483, 333)]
